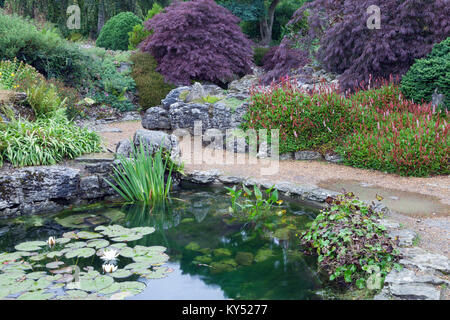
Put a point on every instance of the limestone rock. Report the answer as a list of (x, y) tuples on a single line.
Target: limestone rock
[(156, 118), (307, 155)]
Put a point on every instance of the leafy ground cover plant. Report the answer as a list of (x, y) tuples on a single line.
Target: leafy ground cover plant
[(351, 245), (198, 40)]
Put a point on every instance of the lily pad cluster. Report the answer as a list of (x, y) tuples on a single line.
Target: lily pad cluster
[(71, 267)]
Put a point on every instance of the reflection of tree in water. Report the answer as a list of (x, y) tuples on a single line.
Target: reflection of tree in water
[(194, 228)]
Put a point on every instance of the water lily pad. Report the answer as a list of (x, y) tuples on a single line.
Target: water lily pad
[(111, 289), (138, 266), (36, 275), (38, 257), (121, 273), (97, 284), (80, 253), (88, 235), (37, 295), (121, 295), (127, 238), (70, 235), (53, 254), (63, 240), (54, 265), (30, 246), (76, 294), (75, 245), (4, 292), (134, 287), (98, 243), (158, 273), (155, 259)]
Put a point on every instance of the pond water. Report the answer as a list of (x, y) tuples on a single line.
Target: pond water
[(211, 254)]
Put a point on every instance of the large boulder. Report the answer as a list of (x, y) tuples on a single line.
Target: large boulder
[(154, 140), (156, 118)]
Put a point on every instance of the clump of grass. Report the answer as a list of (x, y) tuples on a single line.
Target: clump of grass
[(142, 178), (46, 141)]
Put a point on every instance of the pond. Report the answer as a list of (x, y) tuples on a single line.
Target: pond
[(211, 255)]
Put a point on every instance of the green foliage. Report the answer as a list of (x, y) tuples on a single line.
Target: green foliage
[(305, 121), (252, 205), (141, 178), (258, 55), (46, 141), (16, 75), (114, 34), (350, 243), (44, 99), (428, 74), (139, 33), (150, 84), (43, 49)]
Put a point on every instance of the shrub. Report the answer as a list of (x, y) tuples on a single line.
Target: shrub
[(258, 54), (45, 50), (350, 243), (198, 40), (280, 61), (411, 144), (114, 34), (139, 33), (305, 121), (46, 141), (428, 74), (150, 84), (408, 31)]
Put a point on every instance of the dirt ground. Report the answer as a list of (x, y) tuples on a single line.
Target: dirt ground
[(423, 204)]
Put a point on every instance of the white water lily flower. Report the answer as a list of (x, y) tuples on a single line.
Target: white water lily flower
[(109, 255), (51, 242), (109, 268)]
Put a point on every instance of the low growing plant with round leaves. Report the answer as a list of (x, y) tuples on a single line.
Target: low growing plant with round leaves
[(350, 242)]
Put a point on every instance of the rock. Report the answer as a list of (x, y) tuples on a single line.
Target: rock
[(415, 291), (334, 158), (90, 187), (287, 156), (383, 295), (405, 237), (406, 276), (264, 150), (307, 155), (154, 140), (173, 97), (124, 148), (203, 177), (196, 93), (425, 260), (437, 99), (389, 224), (244, 85), (96, 158), (184, 116), (156, 118)]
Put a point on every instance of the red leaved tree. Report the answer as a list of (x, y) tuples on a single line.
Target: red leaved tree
[(198, 40)]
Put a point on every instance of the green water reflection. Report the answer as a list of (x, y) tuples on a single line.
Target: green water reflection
[(213, 255)]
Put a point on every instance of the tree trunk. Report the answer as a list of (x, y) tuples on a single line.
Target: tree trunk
[(101, 16), (266, 24)]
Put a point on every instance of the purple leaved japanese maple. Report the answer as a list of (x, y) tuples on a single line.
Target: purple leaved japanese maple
[(198, 40)]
